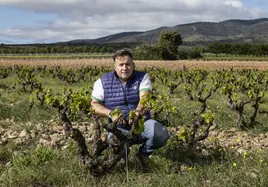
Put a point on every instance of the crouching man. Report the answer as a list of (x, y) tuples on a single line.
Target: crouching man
[(124, 87)]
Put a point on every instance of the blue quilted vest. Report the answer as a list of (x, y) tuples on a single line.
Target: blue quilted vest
[(115, 94)]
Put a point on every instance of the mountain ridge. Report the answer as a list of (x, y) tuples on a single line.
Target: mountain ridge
[(253, 31)]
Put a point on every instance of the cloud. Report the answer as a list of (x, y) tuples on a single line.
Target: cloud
[(88, 8), (86, 19)]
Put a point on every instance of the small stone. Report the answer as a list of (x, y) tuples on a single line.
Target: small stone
[(45, 136), (64, 147), (63, 142), (4, 140), (205, 152), (89, 140), (33, 133), (23, 133), (7, 133), (2, 131), (213, 133), (54, 139), (39, 127), (263, 136), (240, 150), (221, 135), (82, 128), (27, 137), (44, 142), (213, 127), (18, 141), (8, 164), (13, 135), (253, 175), (58, 128)]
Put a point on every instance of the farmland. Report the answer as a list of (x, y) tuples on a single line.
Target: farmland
[(231, 97), (172, 65)]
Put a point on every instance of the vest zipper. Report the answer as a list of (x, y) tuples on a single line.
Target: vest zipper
[(125, 95)]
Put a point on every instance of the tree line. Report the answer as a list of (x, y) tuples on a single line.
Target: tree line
[(237, 49), (166, 48), (61, 48)]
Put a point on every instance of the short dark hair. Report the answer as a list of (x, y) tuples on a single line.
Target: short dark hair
[(122, 52)]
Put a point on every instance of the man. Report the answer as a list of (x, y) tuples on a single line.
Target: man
[(124, 87)]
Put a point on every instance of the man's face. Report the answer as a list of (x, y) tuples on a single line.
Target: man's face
[(124, 67)]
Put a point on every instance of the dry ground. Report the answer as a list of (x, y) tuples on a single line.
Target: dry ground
[(179, 64)]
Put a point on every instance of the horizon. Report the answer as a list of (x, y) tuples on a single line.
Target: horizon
[(57, 21)]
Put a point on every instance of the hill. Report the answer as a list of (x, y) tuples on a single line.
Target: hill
[(198, 33)]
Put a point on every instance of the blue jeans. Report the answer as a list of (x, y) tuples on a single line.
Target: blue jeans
[(153, 137)]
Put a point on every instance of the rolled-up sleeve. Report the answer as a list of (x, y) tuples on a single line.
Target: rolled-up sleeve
[(146, 84), (98, 91)]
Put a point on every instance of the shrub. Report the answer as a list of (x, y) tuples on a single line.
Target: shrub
[(153, 53), (193, 53)]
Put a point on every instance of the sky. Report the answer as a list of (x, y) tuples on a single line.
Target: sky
[(46, 21)]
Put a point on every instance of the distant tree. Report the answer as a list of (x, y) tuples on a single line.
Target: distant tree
[(48, 49), (152, 53), (27, 50), (215, 48), (14, 50), (103, 49), (79, 49), (95, 49), (33, 50), (191, 53), (170, 40), (86, 49), (42, 50), (264, 49), (66, 49), (110, 49)]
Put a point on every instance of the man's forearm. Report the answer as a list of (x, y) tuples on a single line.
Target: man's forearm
[(100, 109), (140, 107)]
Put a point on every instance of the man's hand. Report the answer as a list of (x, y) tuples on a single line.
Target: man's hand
[(117, 117), (134, 117), (114, 118), (136, 120)]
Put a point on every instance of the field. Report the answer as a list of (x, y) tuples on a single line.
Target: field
[(35, 150), (229, 57), (173, 65)]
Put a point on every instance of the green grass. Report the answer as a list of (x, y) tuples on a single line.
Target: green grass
[(48, 167), (28, 165)]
